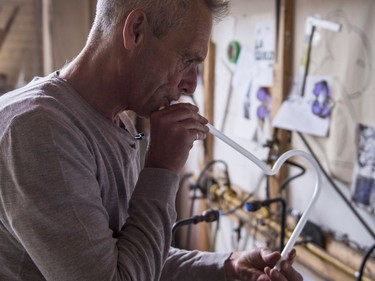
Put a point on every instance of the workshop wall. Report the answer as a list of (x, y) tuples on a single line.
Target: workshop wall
[(346, 58), (70, 26), (21, 44), (20, 37)]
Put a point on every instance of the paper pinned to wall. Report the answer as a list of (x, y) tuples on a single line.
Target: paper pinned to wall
[(363, 186), (246, 123), (244, 72), (257, 63), (245, 126), (225, 86), (264, 52), (254, 69), (309, 113)]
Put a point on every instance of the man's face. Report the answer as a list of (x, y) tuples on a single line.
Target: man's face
[(169, 63)]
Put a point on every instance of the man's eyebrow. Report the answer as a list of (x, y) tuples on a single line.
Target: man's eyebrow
[(194, 57), (198, 59)]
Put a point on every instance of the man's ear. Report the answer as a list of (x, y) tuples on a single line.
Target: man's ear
[(135, 27)]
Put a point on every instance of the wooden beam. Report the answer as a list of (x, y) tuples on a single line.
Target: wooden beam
[(209, 89), (283, 67), (351, 257), (318, 267), (200, 235), (47, 37), (281, 85)]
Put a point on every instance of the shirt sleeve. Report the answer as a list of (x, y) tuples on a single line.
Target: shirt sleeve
[(194, 265), (51, 204)]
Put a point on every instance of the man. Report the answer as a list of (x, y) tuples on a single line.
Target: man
[(75, 204)]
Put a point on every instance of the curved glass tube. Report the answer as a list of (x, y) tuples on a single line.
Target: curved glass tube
[(276, 167)]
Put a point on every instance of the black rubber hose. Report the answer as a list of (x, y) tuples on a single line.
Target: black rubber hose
[(336, 187), (363, 263)]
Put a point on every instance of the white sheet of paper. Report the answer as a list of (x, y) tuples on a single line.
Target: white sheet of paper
[(223, 100), (264, 52), (295, 113), (244, 72), (244, 126)]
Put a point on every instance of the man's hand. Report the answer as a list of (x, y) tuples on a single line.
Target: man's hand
[(173, 132), (258, 265)]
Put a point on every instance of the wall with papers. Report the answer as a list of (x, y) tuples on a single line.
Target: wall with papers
[(335, 111)]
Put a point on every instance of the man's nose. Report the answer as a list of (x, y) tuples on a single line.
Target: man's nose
[(188, 82)]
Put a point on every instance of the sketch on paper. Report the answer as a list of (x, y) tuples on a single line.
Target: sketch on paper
[(364, 173)]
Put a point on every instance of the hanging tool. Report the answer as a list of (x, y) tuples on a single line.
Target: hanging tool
[(310, 26)]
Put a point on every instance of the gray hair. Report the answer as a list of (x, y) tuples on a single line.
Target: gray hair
[(162, 14)]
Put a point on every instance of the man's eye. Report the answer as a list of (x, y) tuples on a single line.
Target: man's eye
[(188, 62)]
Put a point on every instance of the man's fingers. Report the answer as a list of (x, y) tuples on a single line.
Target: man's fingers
[(180, 110), (269, 257), (291, 256), (289, 272), (198, 135)]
